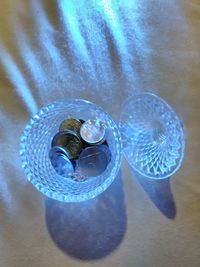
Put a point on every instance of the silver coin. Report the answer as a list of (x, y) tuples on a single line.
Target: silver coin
[(93, 160), (93, 132), (69, 141), (61, 162), (71, 124)]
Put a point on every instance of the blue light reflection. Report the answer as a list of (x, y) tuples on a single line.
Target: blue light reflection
[(18, 80)]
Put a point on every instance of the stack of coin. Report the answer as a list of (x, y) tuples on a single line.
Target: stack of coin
[(81, 148), (69, 141), (60, 161)]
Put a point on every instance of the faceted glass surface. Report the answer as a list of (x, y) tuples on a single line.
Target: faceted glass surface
[(36, 144), (152, 136)]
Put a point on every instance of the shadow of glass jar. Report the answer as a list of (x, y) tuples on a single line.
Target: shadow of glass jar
[(92, 229)]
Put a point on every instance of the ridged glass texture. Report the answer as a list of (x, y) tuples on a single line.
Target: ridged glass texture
[(36, 142), (152, 136)]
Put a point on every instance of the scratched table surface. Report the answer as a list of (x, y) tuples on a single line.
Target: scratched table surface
[(102, 51)]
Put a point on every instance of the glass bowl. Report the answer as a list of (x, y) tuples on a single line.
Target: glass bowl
[(35, 144)]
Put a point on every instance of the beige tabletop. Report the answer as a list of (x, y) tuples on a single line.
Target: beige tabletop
[(102, 51)]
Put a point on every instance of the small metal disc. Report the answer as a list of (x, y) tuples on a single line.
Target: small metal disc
[(69, 141), (60, 161), (93, 160), (73, 125), (93, 132)]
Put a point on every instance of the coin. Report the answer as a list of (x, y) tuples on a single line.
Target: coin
[(93, 132), (69, 141), (58, 150), (93, 160), (60, 161), (71, 124)]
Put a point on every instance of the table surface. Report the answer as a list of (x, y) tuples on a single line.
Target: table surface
[(102, 51)]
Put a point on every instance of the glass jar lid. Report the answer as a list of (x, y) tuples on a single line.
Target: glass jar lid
[(152, 136)]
